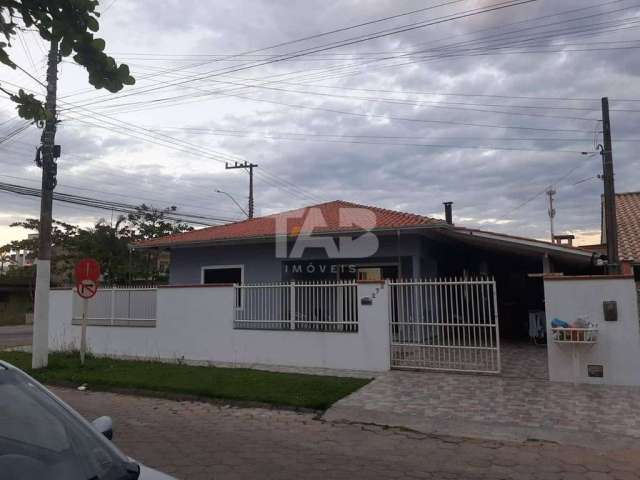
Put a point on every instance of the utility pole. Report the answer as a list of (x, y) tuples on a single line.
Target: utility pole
[(250, 167), (552, 213), (46, 159), (611, 222)]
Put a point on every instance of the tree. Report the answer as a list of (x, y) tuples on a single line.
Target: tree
[(72, 24), (149, 222), (61, 234), (68, 26), (109, 243)]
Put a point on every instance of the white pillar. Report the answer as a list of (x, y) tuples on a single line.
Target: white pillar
[(373, 319), (40, 348)]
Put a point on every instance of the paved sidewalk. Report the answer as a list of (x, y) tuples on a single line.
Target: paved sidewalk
[(194, 440), (497, 407)]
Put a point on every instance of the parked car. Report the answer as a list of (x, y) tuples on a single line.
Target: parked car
[(43, 437)]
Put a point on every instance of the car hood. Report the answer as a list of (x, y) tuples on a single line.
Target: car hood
[(147, 473)]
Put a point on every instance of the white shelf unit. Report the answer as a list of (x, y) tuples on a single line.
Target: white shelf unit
[(574, 336)]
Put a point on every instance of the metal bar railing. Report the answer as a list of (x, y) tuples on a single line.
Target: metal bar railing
[(313, 307)]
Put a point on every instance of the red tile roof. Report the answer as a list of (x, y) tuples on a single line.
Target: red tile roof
[(628, 217), (337, 216)]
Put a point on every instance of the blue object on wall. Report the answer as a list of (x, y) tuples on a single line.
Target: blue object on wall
[(557, 323)]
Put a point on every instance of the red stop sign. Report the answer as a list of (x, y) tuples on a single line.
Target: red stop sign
[(87, 269), (87, 274)]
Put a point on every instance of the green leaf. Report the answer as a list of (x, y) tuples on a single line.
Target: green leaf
[(92, 24), (4, 58), (66, 47), (98, 44), (29, 107)]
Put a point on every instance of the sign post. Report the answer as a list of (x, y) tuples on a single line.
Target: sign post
[(83, 335), (87, 275)]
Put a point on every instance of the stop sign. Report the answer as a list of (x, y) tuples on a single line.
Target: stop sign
[(87, 274)]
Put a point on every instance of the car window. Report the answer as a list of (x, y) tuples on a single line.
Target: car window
[(23, 419), (42, 438)]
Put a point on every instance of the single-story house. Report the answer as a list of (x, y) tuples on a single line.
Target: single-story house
[(628, 218), (341, 240)]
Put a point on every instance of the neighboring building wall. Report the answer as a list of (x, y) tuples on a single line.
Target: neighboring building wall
[(196, 324), (618, 345), (261, 265)]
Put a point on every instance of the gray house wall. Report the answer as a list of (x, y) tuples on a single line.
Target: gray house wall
[(261, 264)]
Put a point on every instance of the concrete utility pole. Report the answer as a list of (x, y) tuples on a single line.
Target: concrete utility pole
[(48, 154), (250, 167), (552, 214), (611, 222)]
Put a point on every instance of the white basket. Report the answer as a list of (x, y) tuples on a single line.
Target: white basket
[(575, 335)]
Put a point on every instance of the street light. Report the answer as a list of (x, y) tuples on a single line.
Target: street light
[(234, 201)]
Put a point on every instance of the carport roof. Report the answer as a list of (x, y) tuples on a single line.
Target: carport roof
[(515, 244)]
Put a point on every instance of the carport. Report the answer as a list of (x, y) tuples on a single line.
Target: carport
[(483, 309), (517, 265)]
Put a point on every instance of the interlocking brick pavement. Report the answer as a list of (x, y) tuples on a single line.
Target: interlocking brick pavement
[(196, 440), (518, 404), (505, 407)]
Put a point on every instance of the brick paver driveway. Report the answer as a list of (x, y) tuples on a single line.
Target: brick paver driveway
[(194, 440)]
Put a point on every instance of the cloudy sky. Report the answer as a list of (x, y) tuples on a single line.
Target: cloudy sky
[(458, 101)]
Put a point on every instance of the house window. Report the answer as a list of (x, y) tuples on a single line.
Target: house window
[(222, 274), (370, 273)]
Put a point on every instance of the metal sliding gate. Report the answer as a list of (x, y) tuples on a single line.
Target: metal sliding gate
[(445, 324)]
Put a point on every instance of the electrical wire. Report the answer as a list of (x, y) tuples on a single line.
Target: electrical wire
[(109, 205), (283, 57)]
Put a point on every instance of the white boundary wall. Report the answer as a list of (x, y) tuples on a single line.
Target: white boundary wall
[(196, 323), (618, 346)]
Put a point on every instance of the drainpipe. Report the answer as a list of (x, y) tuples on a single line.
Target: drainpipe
[(398, 253)]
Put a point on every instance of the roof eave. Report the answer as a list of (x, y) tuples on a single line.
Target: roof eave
[(271, 238), (524, 242)]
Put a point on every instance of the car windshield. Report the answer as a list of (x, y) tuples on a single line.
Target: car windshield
[(41, 438)]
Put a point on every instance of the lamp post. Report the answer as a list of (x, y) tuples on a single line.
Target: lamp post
[(234, 201)]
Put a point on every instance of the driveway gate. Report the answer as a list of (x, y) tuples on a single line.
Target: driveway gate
[(445, 324)]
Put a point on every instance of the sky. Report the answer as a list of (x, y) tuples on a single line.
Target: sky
[(458, 101)]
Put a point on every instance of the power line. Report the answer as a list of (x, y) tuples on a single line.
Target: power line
[(143, 199), (149, 135), (247, 86), (536, 26), (544, 190), (408, 119), (590, 27), (112, 206), (269, 178), (280, 58), (364, 142)]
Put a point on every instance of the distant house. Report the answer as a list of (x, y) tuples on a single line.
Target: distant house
[(346, 241), (628, 218)]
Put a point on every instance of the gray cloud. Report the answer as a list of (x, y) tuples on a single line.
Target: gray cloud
[(489, 188)]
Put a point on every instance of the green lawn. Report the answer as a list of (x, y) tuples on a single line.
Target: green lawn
[(244, 385)]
